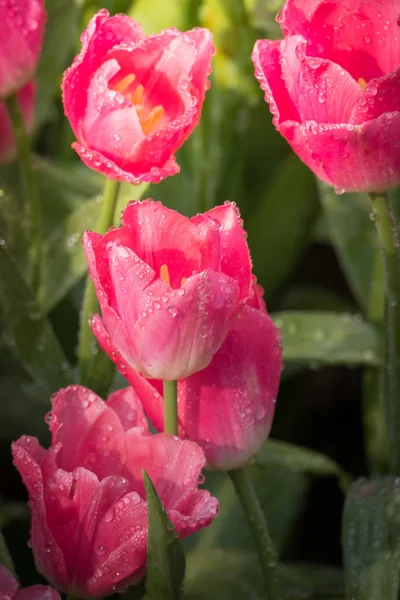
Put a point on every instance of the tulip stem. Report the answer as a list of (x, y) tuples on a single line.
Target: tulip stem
[(262, 540), (22, 143), (171, 407), (86, 352), (389, 241)]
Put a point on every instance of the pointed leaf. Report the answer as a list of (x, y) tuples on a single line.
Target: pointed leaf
[(371, 539), (298, 460), (30, 336), (329, 338), (165, 557)]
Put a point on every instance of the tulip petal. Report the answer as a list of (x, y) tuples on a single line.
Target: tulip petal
[(37, 592), (235, 255), (342, 155), (100, 36), (362, 36), (380, 96), (49, 559), (321, 89), (126, 404), (228, 407), (22, 28), (90, 432), (148, 392), (8, 583)]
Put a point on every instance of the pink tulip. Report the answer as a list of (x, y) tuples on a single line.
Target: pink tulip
[(170, 287), (132, 100), (26, 99), (228, 407), (22, 28), (333, 85), (9, 589), (87, 499)]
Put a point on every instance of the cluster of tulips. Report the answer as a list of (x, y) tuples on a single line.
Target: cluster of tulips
[(182, 316)]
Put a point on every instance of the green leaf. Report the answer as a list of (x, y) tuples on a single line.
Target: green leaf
[(371, 539), (165, 557), (329, 338), (30, 336), (308, 580), (60, 36), (281, 495), (280, 227), (354, 239), (222, 574), (298, 460), (64, 261)]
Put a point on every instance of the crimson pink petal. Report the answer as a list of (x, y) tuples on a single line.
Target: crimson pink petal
[(266, 57), (49, 559), (360, 35), (8, 583), (380, 96), (98, 162), (90, 432), (100, 36), (37, 592), (321, 89), (148, 392), (126, 404), (235, 255), (22, 28), (228, 407), (362, 158)]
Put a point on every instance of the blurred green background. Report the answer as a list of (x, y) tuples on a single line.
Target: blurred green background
[(314, 253)]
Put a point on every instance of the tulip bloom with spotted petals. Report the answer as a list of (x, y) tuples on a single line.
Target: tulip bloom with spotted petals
[(132, 100), (26, 101), (228, 407), (333, 85), (9, 589), (170, 287), (22, 28), (87, 498)]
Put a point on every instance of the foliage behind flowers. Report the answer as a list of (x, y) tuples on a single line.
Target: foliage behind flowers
[(256, 451)]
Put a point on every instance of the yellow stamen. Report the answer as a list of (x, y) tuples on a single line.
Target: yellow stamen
[(125, 82), (138, 94), (362, 83), (183, 281), (164, 275), (152, 120)]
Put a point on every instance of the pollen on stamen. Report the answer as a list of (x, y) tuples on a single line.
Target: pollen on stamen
[(124, 83), (164, 275), (152, 120), (362, 83)]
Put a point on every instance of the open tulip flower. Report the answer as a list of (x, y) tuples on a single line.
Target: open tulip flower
[(9, 589), (170, 287), (333, 85), (26, 100), (89, 513), (22, 28), (132, 100), (228, 407)]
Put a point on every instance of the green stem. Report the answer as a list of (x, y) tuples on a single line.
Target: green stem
[(388, 235), (262, 540), (30, 184), (171, 407), (90, 304), (5, 556)]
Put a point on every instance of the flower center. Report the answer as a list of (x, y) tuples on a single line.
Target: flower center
[(149, 117), (164, 275)]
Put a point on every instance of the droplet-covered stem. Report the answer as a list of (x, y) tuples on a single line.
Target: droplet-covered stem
[(90, 304), (171, 407), (389, 241), (258, 526)]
